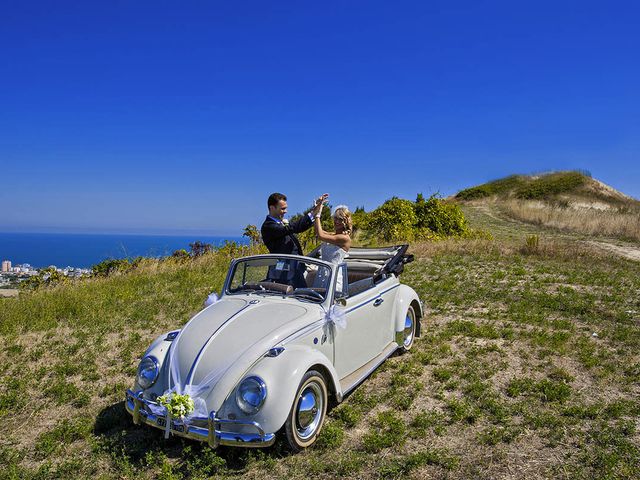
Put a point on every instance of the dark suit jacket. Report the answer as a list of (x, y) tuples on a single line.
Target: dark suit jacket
[(281, 238)]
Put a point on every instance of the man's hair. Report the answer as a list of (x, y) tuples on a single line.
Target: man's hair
[(274, 198)]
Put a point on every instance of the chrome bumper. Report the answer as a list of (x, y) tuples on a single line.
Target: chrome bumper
[(212, 434)]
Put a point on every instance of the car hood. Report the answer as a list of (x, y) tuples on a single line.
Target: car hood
[(226, 338)]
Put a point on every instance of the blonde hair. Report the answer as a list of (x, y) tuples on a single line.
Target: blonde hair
[(343, 216)]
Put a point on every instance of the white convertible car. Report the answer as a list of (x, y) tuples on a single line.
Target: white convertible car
[(287, 335)]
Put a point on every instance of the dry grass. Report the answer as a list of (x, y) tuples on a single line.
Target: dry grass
[(543, 247), (621, 223)]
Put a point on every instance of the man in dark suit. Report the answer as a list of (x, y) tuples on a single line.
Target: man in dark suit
[(277, 233), (280, 237)]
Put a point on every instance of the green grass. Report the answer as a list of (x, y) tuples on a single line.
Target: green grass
[(508, 375), (495, 187), (552, 184), (526, 187)]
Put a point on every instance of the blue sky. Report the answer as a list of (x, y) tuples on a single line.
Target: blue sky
[(178, 117)]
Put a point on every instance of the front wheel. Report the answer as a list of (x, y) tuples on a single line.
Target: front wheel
[(409, 332), (307, 412)]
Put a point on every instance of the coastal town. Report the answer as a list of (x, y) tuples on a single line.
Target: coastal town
[(12, 275)]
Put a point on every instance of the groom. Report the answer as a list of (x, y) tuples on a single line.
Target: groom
[(277, 233), (280, 237)]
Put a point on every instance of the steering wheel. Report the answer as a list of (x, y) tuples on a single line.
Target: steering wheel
[(310, 291)]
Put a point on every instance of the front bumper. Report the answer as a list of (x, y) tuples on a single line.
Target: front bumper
[(146, 411)]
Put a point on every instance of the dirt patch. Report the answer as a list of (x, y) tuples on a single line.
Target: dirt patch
[(8, 292), (630, 252)]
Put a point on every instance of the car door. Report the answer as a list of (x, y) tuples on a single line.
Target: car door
[(368, 327)]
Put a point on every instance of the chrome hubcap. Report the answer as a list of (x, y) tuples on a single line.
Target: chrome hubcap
[(408, 330), (309, 411)]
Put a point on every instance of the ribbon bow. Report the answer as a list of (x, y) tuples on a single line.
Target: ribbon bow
[(335, 316), (211, 299)]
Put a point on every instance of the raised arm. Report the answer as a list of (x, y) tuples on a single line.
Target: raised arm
[(342, 240)]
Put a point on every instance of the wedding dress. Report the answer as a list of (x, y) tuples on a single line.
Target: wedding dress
[(336, 255), (332, 253)]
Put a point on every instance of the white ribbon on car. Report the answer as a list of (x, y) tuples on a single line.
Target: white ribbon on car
[(195, 391), (211, 299), (179, 387), (336, 317)]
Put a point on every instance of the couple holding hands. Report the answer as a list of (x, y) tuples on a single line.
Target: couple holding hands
[(280, 236)]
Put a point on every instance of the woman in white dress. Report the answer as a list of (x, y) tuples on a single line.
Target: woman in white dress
[(335, 245)]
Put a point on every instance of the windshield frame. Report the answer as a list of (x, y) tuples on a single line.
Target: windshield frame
[(321, 263)]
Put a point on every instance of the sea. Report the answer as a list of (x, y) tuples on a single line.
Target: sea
[(84, 250)]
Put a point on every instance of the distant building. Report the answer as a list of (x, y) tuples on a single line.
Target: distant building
[(6, 265)]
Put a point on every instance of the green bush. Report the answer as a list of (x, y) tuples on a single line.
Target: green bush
[(439, 216), (46, 277), (110, 266), (401, 220), (394, 220), (359, 218), (551, 184), (495, 187), (473, 193)]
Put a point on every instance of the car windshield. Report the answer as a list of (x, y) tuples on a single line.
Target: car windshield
[(281, 276)]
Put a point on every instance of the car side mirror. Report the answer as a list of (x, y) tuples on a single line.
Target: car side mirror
[(341, 301)]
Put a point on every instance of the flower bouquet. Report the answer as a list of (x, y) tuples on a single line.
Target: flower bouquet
[(178, 406)]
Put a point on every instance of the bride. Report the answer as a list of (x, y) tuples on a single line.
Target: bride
[(335, 245)]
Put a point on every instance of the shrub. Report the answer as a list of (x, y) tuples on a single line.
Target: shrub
[(495, 187), (394, 220), (251, 231), (551, 184), (439, 216), (46, 277), (199, 248), (532, 245), (359, 218), (110, 266), (473, 193), (181, 254)]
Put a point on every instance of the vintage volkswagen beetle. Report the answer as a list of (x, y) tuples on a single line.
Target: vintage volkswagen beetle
[(287, 334)]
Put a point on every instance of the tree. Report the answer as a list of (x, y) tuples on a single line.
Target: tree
[(200, 248), (251, 231), (359, 218)]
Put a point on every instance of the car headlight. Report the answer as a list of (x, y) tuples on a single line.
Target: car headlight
[(251, 394), (148, 371)]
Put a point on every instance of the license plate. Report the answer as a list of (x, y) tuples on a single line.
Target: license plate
[(161, 421)]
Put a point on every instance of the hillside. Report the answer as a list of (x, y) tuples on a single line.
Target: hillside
[(551, 186), (528, 367), (566, 201)]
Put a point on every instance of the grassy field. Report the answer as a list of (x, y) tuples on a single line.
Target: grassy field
[(528, 367), (623, 224)]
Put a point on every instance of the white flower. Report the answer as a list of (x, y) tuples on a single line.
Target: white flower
[(285, 222), (178, 406)]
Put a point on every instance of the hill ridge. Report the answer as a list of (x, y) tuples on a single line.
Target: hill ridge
[(547, 186)]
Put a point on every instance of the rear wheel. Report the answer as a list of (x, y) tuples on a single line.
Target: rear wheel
[(409, 332), (307, 412)]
